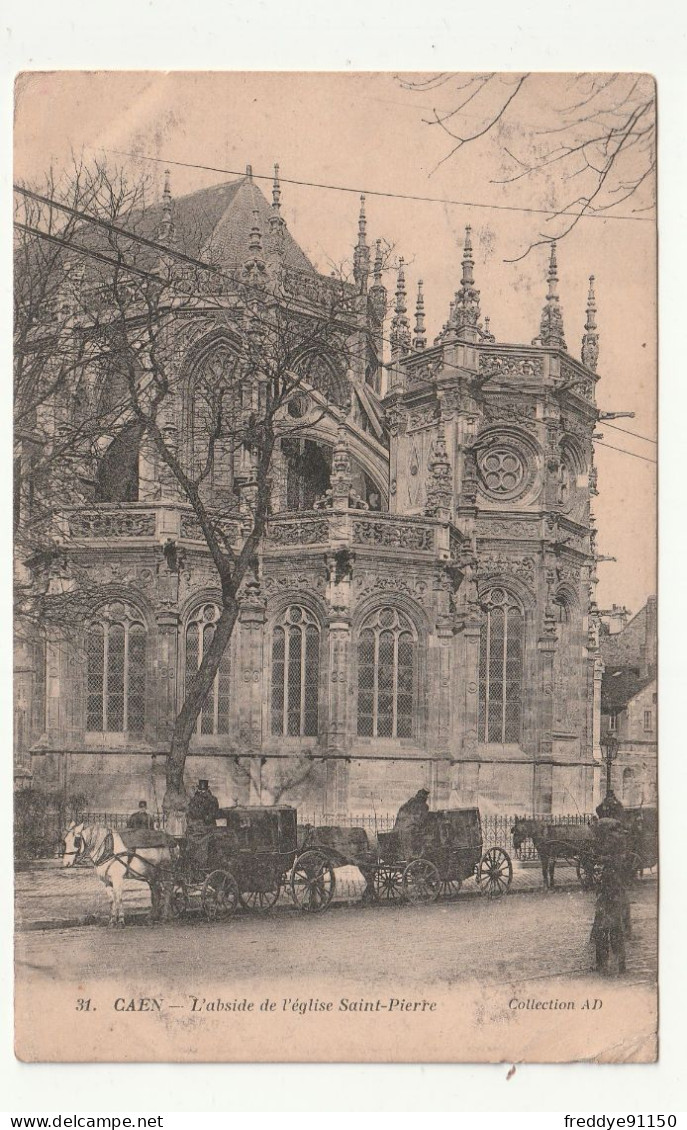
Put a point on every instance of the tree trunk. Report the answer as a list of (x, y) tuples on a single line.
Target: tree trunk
[(174, 802)]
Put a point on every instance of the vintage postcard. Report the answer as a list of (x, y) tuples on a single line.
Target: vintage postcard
[(335, 577)]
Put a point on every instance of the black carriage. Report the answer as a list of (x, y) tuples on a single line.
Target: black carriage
[(248, 858), (634, 836), (642, 829), (423, 864)]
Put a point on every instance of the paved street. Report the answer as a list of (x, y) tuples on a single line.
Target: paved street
[(46, 894), (529, 935)]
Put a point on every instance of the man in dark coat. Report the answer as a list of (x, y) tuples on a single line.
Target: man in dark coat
[(612, 917), (203, 806), (410, 821), (610, 808), (141, 818)]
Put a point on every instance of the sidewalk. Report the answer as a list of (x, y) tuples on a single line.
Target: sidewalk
[(48, 896)]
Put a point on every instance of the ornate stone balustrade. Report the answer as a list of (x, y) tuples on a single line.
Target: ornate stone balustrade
[(393, 532), (298, 530), (103, 523), (152, 522), (325, 528), (318, 290), (359, 528)]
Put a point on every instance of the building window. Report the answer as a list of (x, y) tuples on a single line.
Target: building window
[(628, 786), (115, 671), (215, 391), (296, 674), (214, 715), (648, 721), (501, 669), (613, 723), (387, 659)]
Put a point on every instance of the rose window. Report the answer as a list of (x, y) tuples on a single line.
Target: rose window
[(502, 471)]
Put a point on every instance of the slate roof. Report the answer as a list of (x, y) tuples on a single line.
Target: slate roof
[(619, 686), (216, 222)]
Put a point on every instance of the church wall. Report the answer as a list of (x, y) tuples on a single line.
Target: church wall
[(446, 545)]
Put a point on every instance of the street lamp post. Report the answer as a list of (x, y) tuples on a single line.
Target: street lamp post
[(609, 748)]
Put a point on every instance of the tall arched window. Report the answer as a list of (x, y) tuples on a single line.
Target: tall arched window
[(200, 629), (566, 666), (216, 400), (115, 671), (387, 657), (501, 669), (296, 674), (324, 374)]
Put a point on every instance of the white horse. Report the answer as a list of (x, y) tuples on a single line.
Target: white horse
[(114, 862)]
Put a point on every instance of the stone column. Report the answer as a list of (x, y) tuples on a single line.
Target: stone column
[(165, 683), (250, 661), (543, 770), (338, 739)]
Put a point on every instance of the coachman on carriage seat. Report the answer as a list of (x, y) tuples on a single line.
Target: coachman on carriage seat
[(202, 808)]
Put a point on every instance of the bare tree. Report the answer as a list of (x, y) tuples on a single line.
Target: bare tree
[(584, 142), (113, 368)]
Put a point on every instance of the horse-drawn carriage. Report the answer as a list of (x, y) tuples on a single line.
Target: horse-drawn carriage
[(588, 846), (247, 859), (421, 865)]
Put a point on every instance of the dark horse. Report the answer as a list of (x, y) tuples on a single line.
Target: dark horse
[(568, 841), (345, 847)]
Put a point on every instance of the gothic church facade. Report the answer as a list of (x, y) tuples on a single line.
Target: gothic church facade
[(423, 613)]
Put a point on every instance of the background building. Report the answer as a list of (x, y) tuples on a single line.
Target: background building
[(629, 705), (423, 611)]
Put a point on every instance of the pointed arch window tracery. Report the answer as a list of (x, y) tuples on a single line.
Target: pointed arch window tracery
[(116, 641), (296, 673), (387, 675), (501, 660)]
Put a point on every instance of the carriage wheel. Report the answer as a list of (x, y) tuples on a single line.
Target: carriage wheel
[(421, 882), (180, 899), (219, 896), (261, 900), (388, 884), (589, 873), (312, 881), (450, 888), (494, 872)]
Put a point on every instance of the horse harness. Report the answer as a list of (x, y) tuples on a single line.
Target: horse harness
[(106, 855)]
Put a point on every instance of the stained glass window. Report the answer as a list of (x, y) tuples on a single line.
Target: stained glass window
[(296, 674), (115, 671), (386, 675), (501, 669), (200, 630)]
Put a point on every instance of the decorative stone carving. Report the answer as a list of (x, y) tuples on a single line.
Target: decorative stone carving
[(298, 532), (440, 485), (112, 524), (422, 418), (508, 528), (395, 534), (511, 364), (512, 412), (581, 384), (284, 583), (524, 568), (395, 417), (417, 589)]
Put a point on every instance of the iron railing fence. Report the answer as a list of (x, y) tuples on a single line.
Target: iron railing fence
[(496, 827)]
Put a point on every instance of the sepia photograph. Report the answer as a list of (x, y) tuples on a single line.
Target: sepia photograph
[(335, 588)]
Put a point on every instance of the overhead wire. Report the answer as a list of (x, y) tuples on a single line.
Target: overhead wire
[(627, 432), (625, 451), (378, 192), (90, 252)]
